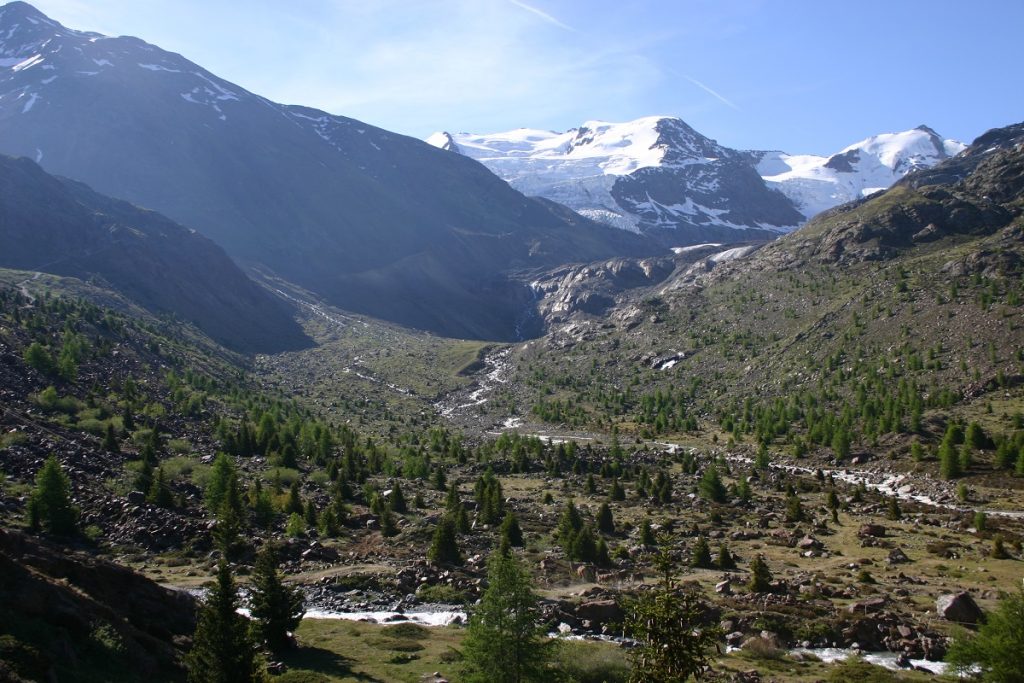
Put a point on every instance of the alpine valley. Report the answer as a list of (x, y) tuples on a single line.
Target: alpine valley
[(286, 396)]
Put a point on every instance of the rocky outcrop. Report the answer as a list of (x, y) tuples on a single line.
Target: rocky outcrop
[(974, 193)]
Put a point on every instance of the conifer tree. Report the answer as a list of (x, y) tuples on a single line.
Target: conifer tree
[(310, 515), (49, 507), (894, 512), (996, 652), (711, 487), (222, 648), (504, 642), (127, 419), (160, 493), (672, 643), (329, 525), (444, 548), (743, 491), (288, 457), (966, 457), (760, 576), (583, 546), (489, 498), (226, 534), (511, 531), (646, 533), (144, 477), (701, 554), (456, 510), (110, 442), (916, 451), (762, 460), (294, 502), (605, 521), (949, 462), (397, 500), (263, 511), (388, 524), (276, 608), (725, 558), (223, 477), (296, 526), (841, 443), (794, 508), (439, 480)]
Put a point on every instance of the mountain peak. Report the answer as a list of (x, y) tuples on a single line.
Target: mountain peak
[(25, 31), (20, 10), (14, 13)]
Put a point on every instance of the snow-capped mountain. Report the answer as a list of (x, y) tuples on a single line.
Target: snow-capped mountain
[(657, 175), (367, 219), (651, 175), (817, 183)]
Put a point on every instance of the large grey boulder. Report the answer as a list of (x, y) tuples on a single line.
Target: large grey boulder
[(959, 607)]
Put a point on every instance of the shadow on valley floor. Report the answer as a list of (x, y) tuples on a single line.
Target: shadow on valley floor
[(317, 660)]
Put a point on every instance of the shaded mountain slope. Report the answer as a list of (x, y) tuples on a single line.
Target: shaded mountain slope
[(373, 221), (66, 617), (62, 227)]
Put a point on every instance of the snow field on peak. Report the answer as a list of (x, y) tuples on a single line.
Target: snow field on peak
[(598, 147), (817, 183)]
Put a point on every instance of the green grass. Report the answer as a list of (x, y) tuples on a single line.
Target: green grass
[(354, 651), (334, 650)]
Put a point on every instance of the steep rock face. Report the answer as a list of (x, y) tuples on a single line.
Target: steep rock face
[(372, 221), (62, 227), (591, 289)]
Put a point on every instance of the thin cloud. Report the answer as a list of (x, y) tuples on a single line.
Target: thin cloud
[(543, 15), (708, 90)]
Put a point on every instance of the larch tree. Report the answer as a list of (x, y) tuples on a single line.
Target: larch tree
[(276, 608), (504, 642), (222, 648)]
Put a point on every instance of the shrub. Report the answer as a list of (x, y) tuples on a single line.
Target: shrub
[(179, 446), (406, 632), (856, 670), (50, 401), (441, 594), (582, 662), (763, 648), (285, 475)]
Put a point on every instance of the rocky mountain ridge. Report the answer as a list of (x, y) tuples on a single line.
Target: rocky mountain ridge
[(372, 221), (658, 176)]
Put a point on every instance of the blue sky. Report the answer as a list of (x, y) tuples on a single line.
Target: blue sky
[(802, 76)]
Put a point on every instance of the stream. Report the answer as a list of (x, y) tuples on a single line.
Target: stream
[(899, 486), (459, 403)]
